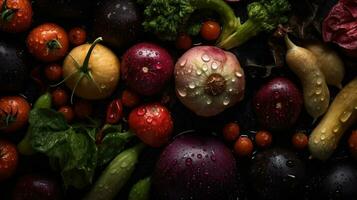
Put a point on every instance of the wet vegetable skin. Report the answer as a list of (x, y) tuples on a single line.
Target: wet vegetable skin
[(341, 115)]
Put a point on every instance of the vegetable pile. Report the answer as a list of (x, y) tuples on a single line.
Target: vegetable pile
[(178, 99)]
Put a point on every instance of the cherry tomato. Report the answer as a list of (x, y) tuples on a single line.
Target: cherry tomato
[(83, 108), (130, 99), (59, 97), (14, 113), (300, 140), (77, 36), (15, 15), (231, 132), (8, 159), (53, 72), (243, 146), (352, 143), (183, 42), (67, 112), (263, 139), (210, 30), (114, 112), (48, 42)]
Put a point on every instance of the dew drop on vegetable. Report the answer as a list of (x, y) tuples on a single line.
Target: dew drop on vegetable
[(318, 91), (141, 111), (315, 100), (205, 67), (238, 74), (345, 116), (213, 158), (290, 163), (191, 85), (336, 129), (319, 81), (183, 63), (182, 92), (149, 120), (198, 72), (230, 90), (214, 65), (124, 165), (226, 101), (355, 107), (145, 69), (322, 99), (323, 130), (209, 101), (205, 58), (323, 137), (316, 141), (188, 161), (199, 156), (233, 80)]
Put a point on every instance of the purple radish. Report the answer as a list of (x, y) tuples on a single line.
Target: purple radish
[(146, 68), (278, 104)]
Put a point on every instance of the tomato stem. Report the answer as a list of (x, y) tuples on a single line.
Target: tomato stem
[(7, 13), (85, 65), (54, 44)]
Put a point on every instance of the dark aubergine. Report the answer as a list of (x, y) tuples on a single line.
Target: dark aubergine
[(338, 181), (13, 70), (36, 187), (64, 9), (118, 22), (278, 104), (276, 174)]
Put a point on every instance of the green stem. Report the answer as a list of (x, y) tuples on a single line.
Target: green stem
[(85, 65), (246, 31), (229, 20), (54, 44), (288, 42)]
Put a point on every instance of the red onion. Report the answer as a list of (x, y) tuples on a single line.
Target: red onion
[(209, 80)]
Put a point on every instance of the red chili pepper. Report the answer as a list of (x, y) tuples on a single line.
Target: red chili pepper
[(114, 112)]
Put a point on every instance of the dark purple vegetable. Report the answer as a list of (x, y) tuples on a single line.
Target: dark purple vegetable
[(63, 9), (117, 21), (13, 71), (146, 67), (276, 174), (278, 104), (195, 167), (336, 182), (35, 187)]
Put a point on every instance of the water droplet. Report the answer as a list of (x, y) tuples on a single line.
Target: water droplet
[(124, 165), (213, 158), (238, 74), (183, 63), (290, 163), (209, 101), (145, 69), (233, 80), (188, 161), (336, 129), (149, 120), (141, 111), (191, 85), (323, 137), (319, 81), (230, 90), (345, 116), (291, 176), (198, 72), (103, 86), (205, 67), (315, 100), (355, 107), (323, 130), (205, 58), (214, 65), (226, 101), (318, 91), (316, 141), (182, 92), (322, 99), (199, 156)]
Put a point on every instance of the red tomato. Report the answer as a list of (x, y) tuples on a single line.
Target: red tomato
[(14, 113), (300, 140), (77, 36), (183, 42), (352, 143), (231, 132), (243, 146), (210, 30), (152, 123), (8, 159), (114, 112), (67, 112), (83, 108), (263, 139), (59, 97), (53, 72), (48, 42), (15, 16), (129, 98)]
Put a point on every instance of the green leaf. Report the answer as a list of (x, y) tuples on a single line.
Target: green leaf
[(112, 144)]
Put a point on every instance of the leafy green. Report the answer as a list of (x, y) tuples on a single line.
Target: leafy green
[(113, 143), (72, 149)]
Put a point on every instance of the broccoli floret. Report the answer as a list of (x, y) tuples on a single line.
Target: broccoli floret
[(264, 15), (167, 18)]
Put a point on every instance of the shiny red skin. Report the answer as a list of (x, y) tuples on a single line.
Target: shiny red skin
[(195, 167), (8, 159), (21, 20), (146, 67), (278, 104), (114, 112), (34, 187), (152, 123)]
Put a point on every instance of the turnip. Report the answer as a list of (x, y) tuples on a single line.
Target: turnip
[(209, 80), (146, 67), (91, 71), (194, 167), (278, 104)]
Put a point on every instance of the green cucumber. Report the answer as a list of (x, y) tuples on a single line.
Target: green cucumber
[(141, 190)]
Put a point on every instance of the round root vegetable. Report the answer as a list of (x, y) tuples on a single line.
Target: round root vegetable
[(329, 62), (91, 71), (305, 65), (340, 116), (209, 80)]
